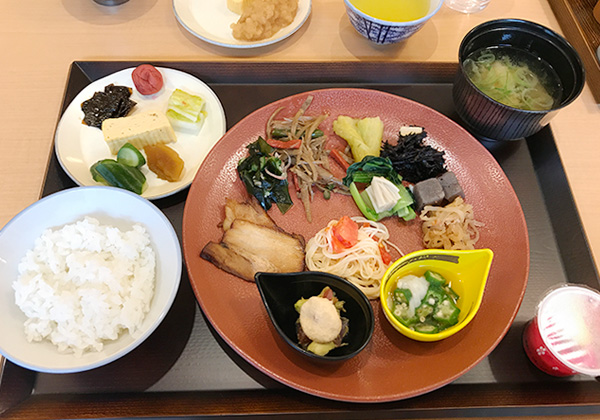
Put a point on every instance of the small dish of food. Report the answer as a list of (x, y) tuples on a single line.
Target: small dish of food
[(429, 295), (318, 314), (168, 115), (88, 274), (221, 22)]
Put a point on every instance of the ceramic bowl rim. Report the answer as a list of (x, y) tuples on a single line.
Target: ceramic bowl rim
[(159, 313), (393, 23), (532, 25)]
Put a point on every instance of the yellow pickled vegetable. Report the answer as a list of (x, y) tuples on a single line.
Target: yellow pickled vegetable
[(363, 135), (164, 162)]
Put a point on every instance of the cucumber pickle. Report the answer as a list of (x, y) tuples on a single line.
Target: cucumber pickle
[(123, 172)]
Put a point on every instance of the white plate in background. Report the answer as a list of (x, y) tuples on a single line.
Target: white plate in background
[(210, 20)]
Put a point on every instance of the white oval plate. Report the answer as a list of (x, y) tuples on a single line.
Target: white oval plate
[(78, 146), (210, 20)]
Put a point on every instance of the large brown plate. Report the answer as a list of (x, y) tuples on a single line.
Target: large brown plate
[(392, 367)]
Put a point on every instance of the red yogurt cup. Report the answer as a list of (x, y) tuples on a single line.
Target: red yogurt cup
[(563, 338)]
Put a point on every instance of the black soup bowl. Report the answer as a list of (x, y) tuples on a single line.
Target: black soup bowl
[(280, 291), (488, 119)]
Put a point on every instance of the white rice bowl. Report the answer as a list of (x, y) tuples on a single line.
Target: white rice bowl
[(85, 283), (142, 254)]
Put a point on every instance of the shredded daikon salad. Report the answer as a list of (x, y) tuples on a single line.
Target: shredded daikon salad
[(450, 227)]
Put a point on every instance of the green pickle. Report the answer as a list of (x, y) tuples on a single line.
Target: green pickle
[(436, 312), (96, 175), (111, 172), (129, 155)]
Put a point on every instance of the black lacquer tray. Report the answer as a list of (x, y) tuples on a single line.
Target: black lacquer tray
[(185, 369)]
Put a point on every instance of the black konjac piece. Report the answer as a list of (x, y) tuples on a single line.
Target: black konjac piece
[(114, 102), (428, 192), (451, 187)]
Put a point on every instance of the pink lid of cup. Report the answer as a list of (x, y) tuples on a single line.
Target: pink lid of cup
[(569, 323)]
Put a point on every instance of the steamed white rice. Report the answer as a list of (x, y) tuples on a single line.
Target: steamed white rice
[(85, 283)]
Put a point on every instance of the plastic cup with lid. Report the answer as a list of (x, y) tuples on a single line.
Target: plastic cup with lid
[(563, 338)]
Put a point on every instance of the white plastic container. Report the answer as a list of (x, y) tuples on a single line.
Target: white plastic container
[(467, 6)]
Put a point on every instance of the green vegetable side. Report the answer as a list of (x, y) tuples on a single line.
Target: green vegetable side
[(365, 171), (435, 312), (264, 177)]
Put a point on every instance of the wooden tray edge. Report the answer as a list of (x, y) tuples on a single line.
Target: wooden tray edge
[(574, 32)]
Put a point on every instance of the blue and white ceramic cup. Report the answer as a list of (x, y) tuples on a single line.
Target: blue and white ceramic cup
[(386, 32)]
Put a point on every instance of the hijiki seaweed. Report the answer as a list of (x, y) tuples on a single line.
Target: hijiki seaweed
[(414, 160)]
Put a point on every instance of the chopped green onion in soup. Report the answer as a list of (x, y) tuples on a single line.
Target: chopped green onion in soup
[(513, 77)]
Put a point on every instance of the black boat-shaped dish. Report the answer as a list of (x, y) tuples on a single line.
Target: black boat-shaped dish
[(280, 291)]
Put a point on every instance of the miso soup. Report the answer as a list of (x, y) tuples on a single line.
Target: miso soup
[(514, 77)]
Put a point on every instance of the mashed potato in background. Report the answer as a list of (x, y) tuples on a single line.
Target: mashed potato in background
[(261, 19)]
